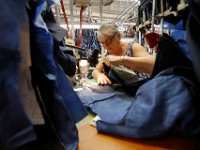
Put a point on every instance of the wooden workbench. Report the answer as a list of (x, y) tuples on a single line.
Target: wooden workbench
[(91, 140)]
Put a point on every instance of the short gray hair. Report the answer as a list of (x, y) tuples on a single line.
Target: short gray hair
[(108, 29)]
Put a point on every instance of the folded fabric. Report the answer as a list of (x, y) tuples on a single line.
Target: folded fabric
[(166, 104), (111, 105)]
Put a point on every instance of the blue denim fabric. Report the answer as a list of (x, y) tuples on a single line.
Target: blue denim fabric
[(10, 23), (15, 127), (179, 36), (168, 48), (52, 2), (193, 40), (42, 52), (162, 105), (178, 33), (56, 109), (109, 104), (37, 8), (61, 102), (90, 41)]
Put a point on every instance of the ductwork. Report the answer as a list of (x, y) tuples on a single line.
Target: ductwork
[(86, 3), (82, 3), (107, 2)]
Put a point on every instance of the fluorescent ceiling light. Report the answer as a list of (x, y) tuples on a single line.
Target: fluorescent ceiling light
[(84, 26)]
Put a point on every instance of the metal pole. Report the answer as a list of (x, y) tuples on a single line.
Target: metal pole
[(72, 18), (101, 11), (153, 14)]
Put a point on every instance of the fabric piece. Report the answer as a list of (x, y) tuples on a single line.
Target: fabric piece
[(159, 110), (109, 104)]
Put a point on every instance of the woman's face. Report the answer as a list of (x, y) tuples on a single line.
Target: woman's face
[(108, 43)]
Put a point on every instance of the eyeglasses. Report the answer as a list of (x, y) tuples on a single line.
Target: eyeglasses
[(108, 42)]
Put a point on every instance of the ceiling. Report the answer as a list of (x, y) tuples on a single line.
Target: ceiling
[(98, 11)]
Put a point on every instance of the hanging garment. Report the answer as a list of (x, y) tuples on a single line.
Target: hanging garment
[(93, 42), (46, 76), (15, 127), (171, 13), (169, 54), (66, 60), (178, 33), (90, 41), (61, 104), (193, 24)]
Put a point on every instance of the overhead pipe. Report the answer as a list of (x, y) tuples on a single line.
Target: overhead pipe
[(104, 2), (101, 10), (107, 2), (153, 14), (125, 11)]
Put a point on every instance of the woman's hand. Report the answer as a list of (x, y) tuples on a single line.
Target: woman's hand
[(103, 80), (112, 60)]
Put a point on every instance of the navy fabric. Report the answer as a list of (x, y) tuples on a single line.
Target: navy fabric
[(90, 41), (15, 130), (67, 61), (193, 24), (57, 32), (10, 23), (179, 36), (109, 104), (56, 110), (159, 110), (61, 103), (42, 52), (15, 127), (169, 54)]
